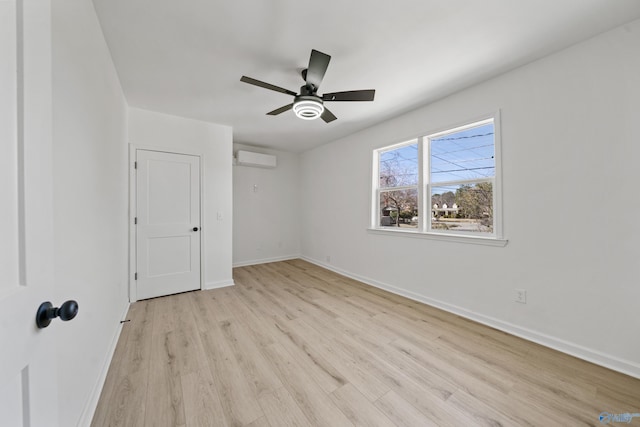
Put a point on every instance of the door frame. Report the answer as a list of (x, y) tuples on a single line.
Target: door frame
[(133, 291)]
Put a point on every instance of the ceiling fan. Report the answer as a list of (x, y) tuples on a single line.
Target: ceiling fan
[(308, 105)]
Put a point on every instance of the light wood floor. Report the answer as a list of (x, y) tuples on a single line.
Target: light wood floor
[(296, 345)]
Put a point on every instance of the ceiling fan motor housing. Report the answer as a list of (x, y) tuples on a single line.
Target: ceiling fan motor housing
[(308, 90), (308, 107)]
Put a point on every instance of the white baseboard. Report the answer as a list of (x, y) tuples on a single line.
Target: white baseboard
[(218, 284), (590, 355), (92, 403), (265, 260)]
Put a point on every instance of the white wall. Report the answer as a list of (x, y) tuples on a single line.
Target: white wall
[(570, 151), (90, 205), (266, 220), (213, 143)]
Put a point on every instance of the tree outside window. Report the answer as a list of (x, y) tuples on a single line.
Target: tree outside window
[(398, 186)]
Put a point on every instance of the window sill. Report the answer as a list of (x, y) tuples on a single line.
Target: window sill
[(458, 238)]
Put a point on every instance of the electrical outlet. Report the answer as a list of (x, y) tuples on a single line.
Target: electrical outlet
[(521, 296)]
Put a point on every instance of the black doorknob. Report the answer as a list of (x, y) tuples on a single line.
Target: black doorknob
[(46, 312), (195, 228)]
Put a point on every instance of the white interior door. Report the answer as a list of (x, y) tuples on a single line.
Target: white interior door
[(168, 223), (28, 390)]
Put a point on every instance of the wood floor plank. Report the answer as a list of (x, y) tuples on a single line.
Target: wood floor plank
[(260, 290), (202, 406), (165, 319), (310, 398), (458, 370), (555, 401), (280, 409), (255, 368), (375, 360), (344, 361), (239, 403), (358, 408), (401, 328), (261, 422), (164, 389), (401, 412), (295, 344), (99, 417), (622, 395), (464, 380), (432, 406), (127, 401), (421, 391), (485, 415), (190, 354), (312, 361), (258, 323), (455, 363), (301, 303), (210, 307)]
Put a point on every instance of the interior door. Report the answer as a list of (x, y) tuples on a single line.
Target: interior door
[(28, 391), (167, 223)]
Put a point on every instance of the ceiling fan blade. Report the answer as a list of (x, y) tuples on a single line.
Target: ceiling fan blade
[(280, 110), (318, 63), (328, 116), (351, 95), (266, 85)]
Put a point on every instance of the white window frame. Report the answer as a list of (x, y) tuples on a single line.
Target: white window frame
[(376, 176), (424, 229)]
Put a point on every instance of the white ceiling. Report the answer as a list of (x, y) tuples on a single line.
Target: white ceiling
[(186, 57)]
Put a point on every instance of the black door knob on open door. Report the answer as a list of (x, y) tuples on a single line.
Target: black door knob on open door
[(47, 312), (195, 228)]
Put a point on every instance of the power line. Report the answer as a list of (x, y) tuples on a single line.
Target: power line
[(454, 164), (466, 169), (475, 160), (466, 149), (462, 137), (457, 142)]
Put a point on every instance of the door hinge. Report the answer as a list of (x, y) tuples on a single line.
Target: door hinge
[(135, 276), (135, 165), (135, 220)]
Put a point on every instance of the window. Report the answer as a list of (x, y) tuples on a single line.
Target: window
[(398, 183), (443, 183)]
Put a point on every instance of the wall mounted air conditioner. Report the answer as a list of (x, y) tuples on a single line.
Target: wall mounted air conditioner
[(247, 158)]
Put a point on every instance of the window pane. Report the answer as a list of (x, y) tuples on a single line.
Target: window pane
[(399, 208), (462, 155), (466, 208), (399, 167)]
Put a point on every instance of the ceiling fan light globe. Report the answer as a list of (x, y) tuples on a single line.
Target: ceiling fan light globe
[(308, 109)]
